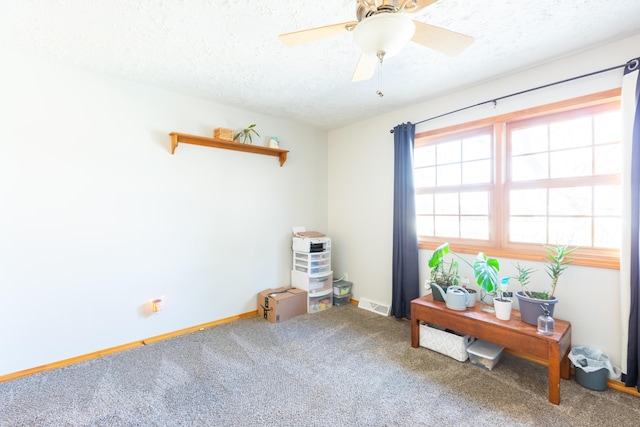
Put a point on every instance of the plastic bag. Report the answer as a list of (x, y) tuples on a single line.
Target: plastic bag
[(591, 359)]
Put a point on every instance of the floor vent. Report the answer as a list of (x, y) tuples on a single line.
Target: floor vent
[(367, 304)]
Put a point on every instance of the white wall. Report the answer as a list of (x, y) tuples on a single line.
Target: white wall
[(97, 217), (361, 188)]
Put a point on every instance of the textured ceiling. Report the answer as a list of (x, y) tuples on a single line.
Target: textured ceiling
[(227, 51)]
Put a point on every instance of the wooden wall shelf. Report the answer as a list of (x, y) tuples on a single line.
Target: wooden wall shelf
[(227, 145)]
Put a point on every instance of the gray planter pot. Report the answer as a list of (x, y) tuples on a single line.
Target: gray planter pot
[(530, 308), (437, 296)]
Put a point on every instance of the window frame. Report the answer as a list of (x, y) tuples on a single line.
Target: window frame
[(497, 245)]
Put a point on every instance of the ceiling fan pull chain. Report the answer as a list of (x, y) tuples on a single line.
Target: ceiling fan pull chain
[(380, 57)]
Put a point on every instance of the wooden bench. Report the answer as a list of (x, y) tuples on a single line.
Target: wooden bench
[(520, 338)]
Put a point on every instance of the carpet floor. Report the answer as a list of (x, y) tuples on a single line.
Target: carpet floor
[(341, 367)]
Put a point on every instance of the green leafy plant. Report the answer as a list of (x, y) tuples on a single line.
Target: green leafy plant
[(557, 263), (443, 273), (523, 277), (246, 134), (485, 269)]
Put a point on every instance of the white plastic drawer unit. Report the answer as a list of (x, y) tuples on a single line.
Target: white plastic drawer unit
[(319, 302), (312, 263), (313, 270), (312, 284), (318, 256)]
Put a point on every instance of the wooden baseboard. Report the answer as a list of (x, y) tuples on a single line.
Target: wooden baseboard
[(100, 353), (619, 386)]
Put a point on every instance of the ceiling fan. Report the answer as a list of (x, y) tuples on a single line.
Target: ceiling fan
[(382, 29)]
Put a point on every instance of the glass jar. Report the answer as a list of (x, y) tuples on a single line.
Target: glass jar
[(546, 324)]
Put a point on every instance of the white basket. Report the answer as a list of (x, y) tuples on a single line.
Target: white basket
[(445, 342)]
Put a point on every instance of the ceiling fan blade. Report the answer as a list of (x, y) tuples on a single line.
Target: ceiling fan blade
[(365, 68), (437, 38), (313, 34)]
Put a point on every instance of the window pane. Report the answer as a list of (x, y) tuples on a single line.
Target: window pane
[(424, 156), (448, 175), (571, 133), (560, 174), (608, 159), (476, 148), (524, 168), (424, 177), (424, 204), (474, 227), (448, 152), (424, 225), (527, 230), (478, 172), (447, 203), (474, 203), (607, 232), (529, 140), (607, 200), (528, 202), (572, 231), (607, 128), (447, 226), (571, 163), (570, 201)]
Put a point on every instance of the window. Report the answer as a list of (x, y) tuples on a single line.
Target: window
[(512, 183), (454, 180)]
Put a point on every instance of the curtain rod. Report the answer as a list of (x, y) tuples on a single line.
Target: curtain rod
[(495, 100)]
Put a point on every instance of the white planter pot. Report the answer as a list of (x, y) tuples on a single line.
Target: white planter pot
[(502, 308), (471, 301)]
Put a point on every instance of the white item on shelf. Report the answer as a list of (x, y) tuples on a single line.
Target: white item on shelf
[(445, 342)]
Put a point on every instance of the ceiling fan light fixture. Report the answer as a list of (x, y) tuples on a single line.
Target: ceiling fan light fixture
[(386, 32)]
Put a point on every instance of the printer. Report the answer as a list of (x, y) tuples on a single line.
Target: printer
[(310, 241), (311, 244)]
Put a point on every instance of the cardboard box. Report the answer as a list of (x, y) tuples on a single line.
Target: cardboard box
[(223, 133), (277, 305)]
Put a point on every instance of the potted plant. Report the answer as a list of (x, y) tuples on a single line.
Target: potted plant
[(531, 302), (443, 273), (485, 270), (501, 303), (523, 277), (246, 134)]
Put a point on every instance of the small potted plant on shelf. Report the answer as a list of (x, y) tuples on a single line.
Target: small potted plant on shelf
[(523, 277), (501, 303), (245, 135), (531, 302), (443, 273), (485, 270)]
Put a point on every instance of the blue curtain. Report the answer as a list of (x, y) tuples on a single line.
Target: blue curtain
[(405, 281), (632, 378)]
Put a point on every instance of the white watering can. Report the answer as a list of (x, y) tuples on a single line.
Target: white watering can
[(456, 297)]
